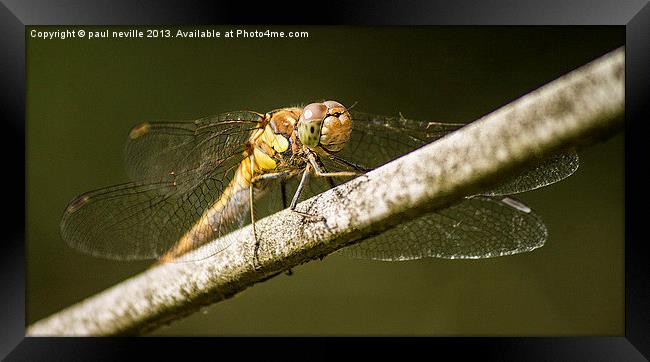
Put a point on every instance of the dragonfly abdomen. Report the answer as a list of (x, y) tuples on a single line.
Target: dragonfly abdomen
[(232, 206)]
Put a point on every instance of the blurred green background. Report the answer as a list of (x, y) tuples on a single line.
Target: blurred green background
[(83, 96)]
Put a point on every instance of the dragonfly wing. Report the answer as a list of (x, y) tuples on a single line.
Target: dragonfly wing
[(141, 221), (551, 170), (145, 218), (377, 139), (479, 227), (155, 150)]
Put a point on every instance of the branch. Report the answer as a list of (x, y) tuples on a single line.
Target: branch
[(573, 110)]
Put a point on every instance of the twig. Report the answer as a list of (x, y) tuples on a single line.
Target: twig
[(570, 111)]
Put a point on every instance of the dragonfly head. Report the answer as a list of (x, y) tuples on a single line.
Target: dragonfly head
[(327, 124)]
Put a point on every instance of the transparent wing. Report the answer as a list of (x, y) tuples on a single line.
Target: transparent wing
[(549, 171), (376, 140), (156, 149), (181, 169), (479, 227)]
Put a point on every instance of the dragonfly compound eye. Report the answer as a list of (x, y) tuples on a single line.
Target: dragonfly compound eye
[(337, 127), (311, 123)]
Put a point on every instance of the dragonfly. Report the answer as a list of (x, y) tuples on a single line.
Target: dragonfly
[(194, 182)]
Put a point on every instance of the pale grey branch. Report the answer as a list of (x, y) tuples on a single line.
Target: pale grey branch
[(571, 111)]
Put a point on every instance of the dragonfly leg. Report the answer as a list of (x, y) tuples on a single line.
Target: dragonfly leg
[(330, 180), (283, 192), (322, 173), (301, 185), (350, 164), (256, 261), (283, 186), (347, 163), (296, 196), (338, 174), (270, 176), (318, 171)]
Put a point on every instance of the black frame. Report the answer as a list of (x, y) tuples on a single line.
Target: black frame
[(635, 15)]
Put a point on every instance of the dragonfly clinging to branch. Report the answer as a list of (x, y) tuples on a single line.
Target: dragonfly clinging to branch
[(196, 181)]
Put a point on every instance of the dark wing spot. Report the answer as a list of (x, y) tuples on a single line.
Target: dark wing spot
[(139, 130), (77, 203)]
